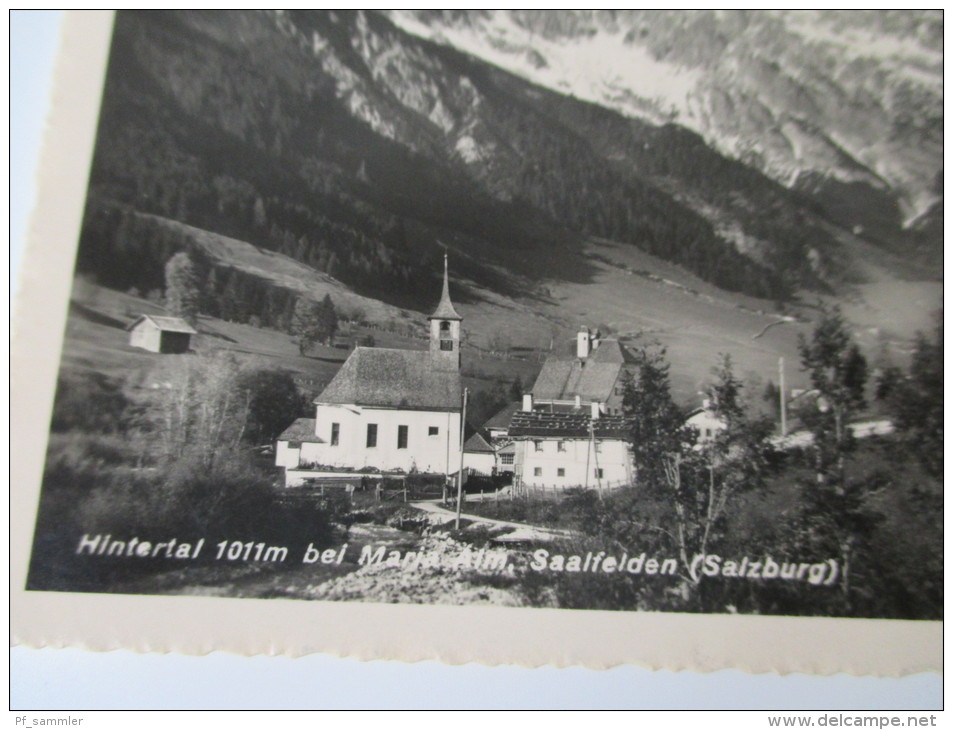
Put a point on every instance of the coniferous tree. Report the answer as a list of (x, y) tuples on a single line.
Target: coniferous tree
[(915, 400), (658, 430), (182, 287), (306, 323), (838, 372), (327, 320)]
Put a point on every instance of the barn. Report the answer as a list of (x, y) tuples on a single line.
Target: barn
[(166, 335)]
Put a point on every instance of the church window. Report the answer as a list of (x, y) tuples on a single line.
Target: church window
[(446, 345), (335, 434), (433, 431), (402, 437), (560, 472), (537, 471), (371, 435)]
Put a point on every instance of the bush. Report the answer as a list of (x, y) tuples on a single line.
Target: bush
[(88, 402)]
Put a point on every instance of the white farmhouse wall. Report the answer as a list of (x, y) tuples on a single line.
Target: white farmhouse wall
[(541, 461), (438, 453), (707, 425)]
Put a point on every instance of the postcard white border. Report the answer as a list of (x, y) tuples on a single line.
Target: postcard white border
[(197, 625)]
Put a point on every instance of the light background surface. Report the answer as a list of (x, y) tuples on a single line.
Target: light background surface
[(72, 679)]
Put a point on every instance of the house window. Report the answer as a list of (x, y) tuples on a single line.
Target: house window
[(446, 345), (506, 458), (335, 434), (433, 431), (560, 472), (560, 446), (537, 471), (371, 435), (402, 437), (598, 473), (537, 446)]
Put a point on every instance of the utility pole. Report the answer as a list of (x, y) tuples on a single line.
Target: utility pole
[(784, 405), (463, 421)]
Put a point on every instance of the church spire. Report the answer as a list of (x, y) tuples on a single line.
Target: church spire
[(445, 330), (445, 309)]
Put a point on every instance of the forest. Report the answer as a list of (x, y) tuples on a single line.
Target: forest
[(188, 134)]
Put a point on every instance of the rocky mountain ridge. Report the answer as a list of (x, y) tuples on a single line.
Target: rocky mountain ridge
[(849, 96)]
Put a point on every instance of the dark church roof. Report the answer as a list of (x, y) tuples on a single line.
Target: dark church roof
[(568, 425), (388, 378)]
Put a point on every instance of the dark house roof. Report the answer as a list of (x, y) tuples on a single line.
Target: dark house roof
[(166, 324), (565, 379), (476, 444), (569, 425), (501, 419), (301, 430), (389, 378)]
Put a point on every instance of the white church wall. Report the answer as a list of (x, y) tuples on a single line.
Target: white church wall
[(432, 439)]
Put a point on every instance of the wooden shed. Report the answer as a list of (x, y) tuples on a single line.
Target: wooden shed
[(166, 335)]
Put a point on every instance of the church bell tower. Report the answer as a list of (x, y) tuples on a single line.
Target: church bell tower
[(445, 330)]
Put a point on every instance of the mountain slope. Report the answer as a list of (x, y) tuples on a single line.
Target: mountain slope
[(343, 142)]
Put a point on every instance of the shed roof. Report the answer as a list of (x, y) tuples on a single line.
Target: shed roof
[(476, 444), (301, 430), (166, 324), (568, 425), (391, 378)]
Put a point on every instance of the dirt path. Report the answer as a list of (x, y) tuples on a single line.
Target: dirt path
[(521, 532)]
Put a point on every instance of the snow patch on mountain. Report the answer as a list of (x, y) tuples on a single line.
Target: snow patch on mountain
[(604, 68)]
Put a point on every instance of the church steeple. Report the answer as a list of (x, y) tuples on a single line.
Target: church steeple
[(445, 309), (445, 329)]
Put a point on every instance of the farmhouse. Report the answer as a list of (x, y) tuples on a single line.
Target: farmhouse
[(593, 372), (706, 422), (386, 409), (160, 334), (579, 448)]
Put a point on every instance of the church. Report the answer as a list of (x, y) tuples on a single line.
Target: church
[(386, 409)]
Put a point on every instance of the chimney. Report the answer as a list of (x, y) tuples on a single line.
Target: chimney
[(596, 339), (582, 343), (595, 410), (578, 401), (527, 401)]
